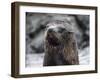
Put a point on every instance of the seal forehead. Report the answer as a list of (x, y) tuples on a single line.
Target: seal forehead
[(57, 25)]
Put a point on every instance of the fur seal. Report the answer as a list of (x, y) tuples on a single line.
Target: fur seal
[(60, 44)]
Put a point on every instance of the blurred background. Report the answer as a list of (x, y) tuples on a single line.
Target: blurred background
[(35, 34)]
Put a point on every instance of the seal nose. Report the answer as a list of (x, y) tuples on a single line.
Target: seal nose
[(50, 30)]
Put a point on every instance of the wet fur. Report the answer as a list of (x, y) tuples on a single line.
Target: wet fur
[(60, 50)]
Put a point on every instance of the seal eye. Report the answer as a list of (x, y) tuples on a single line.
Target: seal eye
[(50, 30), (61, 30)]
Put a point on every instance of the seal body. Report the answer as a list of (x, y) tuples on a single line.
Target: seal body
[(60, 45)]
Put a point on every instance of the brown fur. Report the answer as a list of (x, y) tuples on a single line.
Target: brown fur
[(60, 47)]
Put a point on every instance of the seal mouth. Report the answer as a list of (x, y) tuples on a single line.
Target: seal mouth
[(53, 40)]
